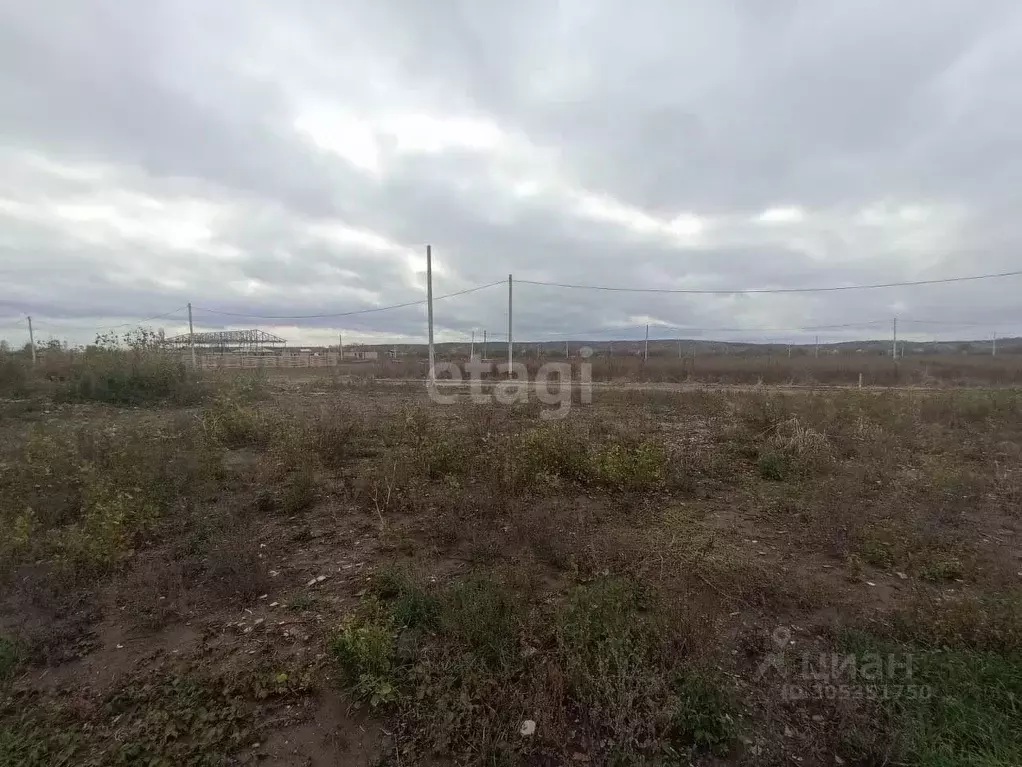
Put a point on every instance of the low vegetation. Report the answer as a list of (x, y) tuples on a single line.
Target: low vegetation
[(756, 366), (196, 583), (185, 716), (457, 663)]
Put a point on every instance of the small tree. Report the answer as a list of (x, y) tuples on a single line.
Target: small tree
[(138, 339)]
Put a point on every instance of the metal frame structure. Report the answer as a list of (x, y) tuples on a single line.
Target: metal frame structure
[(229, 342)]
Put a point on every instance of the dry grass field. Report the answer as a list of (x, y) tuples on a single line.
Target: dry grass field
[(251, 570), (932, 371)]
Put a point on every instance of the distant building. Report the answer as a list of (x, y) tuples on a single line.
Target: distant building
[(359, 353), (229, 342)]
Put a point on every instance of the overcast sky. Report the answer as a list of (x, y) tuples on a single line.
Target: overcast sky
[(271, 158)]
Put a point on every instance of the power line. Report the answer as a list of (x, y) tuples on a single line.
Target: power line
[(133, 323), (954, 322), (147, 319), (754, 329), (577, 334), (347, 314), (770, 290)]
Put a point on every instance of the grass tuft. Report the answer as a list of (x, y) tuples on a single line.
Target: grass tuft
[(949, 707), (8, 657)]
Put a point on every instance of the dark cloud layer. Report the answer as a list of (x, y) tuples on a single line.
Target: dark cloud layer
[(293, 159)]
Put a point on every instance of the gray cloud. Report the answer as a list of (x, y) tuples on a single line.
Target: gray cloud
[(269, 159)]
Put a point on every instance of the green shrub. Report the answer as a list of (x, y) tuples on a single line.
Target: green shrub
[(557, 449), (428, 447), (416, 608), (390, 581), (774, 465), (484, 616), (939, 567), (879, 554), (702, 714), (112, 517), (15, 379), (128, 378), (242, 385), (90, 496), (365, 651), (410, 604), (568, 453), (299, 492), (448, 657), (229, 423), (633, 467), (607, 646)]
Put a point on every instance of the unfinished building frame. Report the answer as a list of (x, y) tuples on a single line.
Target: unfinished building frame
[(230, 342)]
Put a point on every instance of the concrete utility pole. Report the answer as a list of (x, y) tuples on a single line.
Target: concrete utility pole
[(484, 343), (31, 339), (894, 346), (993, 348), (429, 308), (816, 352), (191, 334), (340, 347), (510, 338), (680, 352), (645, 345), (566, 355), (472, 347)]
